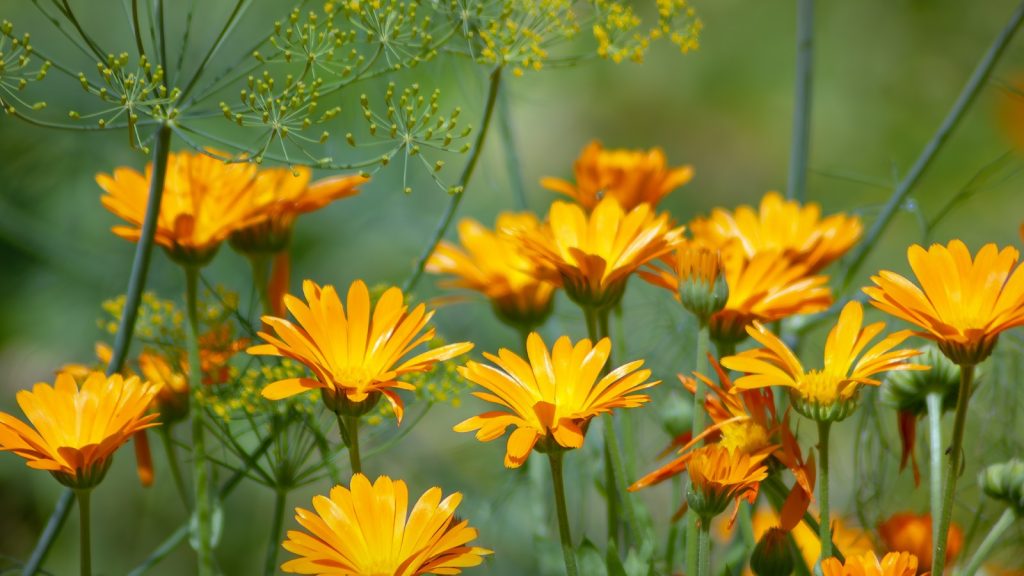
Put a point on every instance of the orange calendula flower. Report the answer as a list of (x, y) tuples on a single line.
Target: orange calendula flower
[(368, 530), (494, 264), (75, 431), (892, 564), (550, 398), (356, 351), (593, 255), (798, 232), (912, 533), (632, 177), (719, 476), (828, 394), (204, 200), (963, 304)]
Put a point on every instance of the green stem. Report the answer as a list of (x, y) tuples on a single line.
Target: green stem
[(84, 533), (953, 471), (673, 530), (280, 500), (704, 550), (568, 553), (232, 20), (796, 187), (989, 543), (200, 467), (508, 137), (349, 426), (825, 524), (934, 403), (467, 173), (700, 366), (172, 463), (260, 264)]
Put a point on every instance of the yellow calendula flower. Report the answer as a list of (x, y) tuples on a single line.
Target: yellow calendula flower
[(892, 564), (357, 351), (719, 476), (962, 303), (550, 397), (632, 177), (368, 529), (493, 263), (828, 394)]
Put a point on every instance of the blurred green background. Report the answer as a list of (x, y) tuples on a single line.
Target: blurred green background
[(886, 72)]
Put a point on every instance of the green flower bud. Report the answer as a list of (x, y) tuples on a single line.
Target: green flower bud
[(771, 556), (1005, 481)]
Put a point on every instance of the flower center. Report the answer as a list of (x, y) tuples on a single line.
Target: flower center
[(822, 388), (748, 437), (353, 377)]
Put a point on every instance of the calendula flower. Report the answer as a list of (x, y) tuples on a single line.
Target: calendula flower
[(632, 177), (366, 530), (892, 564), (494, 264), (550, 398), (719, 476), (355, 351), (798, 232), (75, 431), (963, 304), (850, 539), (204, 200), (909, 532), (828, 394), (593, 255)]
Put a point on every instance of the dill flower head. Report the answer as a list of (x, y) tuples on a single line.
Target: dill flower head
[(909, 532), (892, 564), (550, 397), (632, 177), (494, 264), (719, 476), (828, 394), (593, 255), (368, 529), (204, 200), (75, 431), (355, 351), (798, 232), (963, 303)]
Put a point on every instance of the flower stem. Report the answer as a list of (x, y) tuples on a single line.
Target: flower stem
[(172, 463), (270, 564), (985, 548), (349, 426), (953, 471), (934, 403), (85, 548), (796, 186), (555, 458), (261, 277), (200, 468), (673, 530), (700, 366), (776, 491), (825, 523), (704, 548)]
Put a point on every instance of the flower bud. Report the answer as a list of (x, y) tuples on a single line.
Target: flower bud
[(772, 556), (907, 390), (338, 402), (702, 287), (1005, 481)]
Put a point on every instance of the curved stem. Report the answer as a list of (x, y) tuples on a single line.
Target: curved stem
[(934, 403), (796, 186), (825, 523), (200, 469), (989, 543), (555, 458), (270, 564), (172, 463), (704, 551), (953, 471), (467, 173), (84, 533), (701, 366)]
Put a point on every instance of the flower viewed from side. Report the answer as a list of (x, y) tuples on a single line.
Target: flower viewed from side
[(798, 232), (909, 532), (550, 398), (355, 351), (204, 200), (368, 529), (75, 431), (719, 476), (892, 564), (593, 255), (828, 394), (632, 177), (494, 264), (850, 539), (963, 304)]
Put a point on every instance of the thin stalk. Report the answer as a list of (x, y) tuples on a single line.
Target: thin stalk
[(796, 185), (84, 533), (568, 553), (825, 524), (53, 527), (953, 472), (978, 79), (673, 530), (162, 33), (989, 543), (200, 468), (703, 344), (934, 403), (352, 427), (260, 264), (508, 138), (467, 173), (280, 500), (611, 491), (172, 463), (704, 551), (239, 8)]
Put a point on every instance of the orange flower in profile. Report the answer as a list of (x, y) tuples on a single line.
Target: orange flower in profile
[(912, 533), (551, 398), (204, 200), (593, 255), (719, 476), (963, 304), (493, 264), (356, 351), (75, 432), (366, 530), (798, 232), (892, 564), (632, 177)]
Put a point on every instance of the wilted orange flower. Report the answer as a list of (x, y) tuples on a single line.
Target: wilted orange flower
[(892, 564), (632, 177), (366, 530), (719, 476), (798, 232), (75, 432), (593, 255), (826, 394), (494, 264), (551, 398), (204, 200), (356, 356), (962, 304), (909, 532)]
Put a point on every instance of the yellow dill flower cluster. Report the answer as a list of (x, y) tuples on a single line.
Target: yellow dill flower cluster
[(441, 385), (241, 397), (16, 69), (162, 323), (620, 34), (521, 32), (403, 37)]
